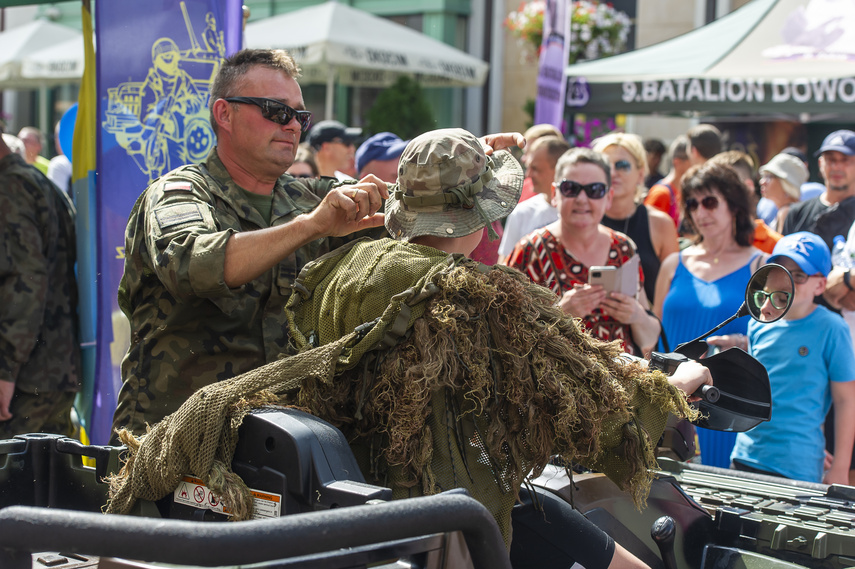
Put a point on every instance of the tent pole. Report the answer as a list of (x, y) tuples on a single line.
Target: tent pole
[(328, 110)]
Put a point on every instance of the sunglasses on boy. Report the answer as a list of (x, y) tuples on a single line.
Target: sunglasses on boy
[(571, 189), (709, 203), (273, 110)]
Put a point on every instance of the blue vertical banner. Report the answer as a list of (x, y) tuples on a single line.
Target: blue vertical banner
[(157, 60), (554, 55)]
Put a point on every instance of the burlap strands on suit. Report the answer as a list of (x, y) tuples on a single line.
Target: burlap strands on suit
[(200, 438), (488, 383)]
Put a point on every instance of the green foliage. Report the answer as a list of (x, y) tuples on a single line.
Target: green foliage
[(402, 109), (528, 107)]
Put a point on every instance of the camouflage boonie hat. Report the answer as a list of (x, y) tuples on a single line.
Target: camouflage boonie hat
[(448, 187)]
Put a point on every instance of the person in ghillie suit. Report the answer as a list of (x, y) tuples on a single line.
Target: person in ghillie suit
[(445, 373), (491, 380)]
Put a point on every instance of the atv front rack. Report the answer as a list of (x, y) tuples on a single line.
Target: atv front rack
[(330, 517)]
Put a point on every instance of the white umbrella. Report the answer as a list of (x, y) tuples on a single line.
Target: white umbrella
[(18, 43), (335, 42), (62, 62)]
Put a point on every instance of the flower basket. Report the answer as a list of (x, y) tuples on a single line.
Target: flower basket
[(597, 29)]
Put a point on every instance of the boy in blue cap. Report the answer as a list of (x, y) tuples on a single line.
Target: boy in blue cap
[(809, 357)]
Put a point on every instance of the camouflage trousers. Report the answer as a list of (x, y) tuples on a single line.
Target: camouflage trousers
[(47, 412)]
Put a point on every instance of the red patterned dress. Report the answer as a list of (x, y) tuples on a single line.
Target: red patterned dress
[(542, 257)]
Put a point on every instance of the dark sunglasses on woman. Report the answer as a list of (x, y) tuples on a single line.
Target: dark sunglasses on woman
[(709, 203), (623, 166), (571, 189), (273, 110)]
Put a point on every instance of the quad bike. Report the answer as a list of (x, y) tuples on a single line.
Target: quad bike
[(318, 512)]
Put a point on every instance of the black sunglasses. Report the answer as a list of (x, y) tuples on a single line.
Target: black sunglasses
[(709, 203), (273, 110), (571, 189)]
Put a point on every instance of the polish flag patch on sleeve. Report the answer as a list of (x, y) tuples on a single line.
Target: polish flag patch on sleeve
[(177, 187)]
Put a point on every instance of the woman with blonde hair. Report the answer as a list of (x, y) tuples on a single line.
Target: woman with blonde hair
[(652, 231)]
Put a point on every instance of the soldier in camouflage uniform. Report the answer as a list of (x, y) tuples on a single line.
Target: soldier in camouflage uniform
[(212, 249), (39, 348)]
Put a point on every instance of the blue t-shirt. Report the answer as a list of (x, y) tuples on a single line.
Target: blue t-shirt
[(802, 357)]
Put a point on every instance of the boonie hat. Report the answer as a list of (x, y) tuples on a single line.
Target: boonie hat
[(840, 141), (807, 250), (790, 170), (327, 131), (381, 146), (448, 187)]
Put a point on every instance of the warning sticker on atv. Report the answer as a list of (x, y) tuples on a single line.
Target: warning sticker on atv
[(192, 492)]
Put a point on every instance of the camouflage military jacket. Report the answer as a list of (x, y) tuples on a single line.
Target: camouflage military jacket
[(188, 329), (39, 347)]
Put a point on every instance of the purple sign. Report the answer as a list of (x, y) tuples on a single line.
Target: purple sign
[(156, 62), (554, 54)]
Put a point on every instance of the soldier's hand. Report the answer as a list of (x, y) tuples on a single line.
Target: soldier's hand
[(502, 140), (7, 389), (348, 209)]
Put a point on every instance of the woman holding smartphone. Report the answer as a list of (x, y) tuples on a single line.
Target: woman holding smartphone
[(560, 255)]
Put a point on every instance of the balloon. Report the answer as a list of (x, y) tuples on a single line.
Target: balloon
[(66, 130)]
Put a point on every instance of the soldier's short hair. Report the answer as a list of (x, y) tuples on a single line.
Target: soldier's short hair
[(235, 67)]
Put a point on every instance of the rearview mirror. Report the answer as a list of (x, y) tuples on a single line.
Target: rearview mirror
[(769, 293)]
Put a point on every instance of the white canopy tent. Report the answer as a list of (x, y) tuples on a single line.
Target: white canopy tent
[(60, 63), (334, 42), (769, 57), (25, 43)]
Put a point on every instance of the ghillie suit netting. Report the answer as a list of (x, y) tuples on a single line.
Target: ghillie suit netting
[(441, 372)]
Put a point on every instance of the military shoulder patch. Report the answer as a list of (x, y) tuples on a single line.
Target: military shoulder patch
[(178, 187), (178, 214)]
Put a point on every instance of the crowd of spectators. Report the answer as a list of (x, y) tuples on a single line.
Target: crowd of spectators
[(728, 216)]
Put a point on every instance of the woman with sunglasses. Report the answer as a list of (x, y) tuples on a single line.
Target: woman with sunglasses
[(560, 255), (704, 284), (653, 232)]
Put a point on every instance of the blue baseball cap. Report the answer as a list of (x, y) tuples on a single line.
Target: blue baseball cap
[(807, 250), (839, 141), (381, 146)]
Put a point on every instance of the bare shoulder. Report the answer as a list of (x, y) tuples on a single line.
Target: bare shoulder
[(669, 265), (661, 223), (658, 217)]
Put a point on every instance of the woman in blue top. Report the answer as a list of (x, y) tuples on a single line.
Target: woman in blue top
[(704, 284)]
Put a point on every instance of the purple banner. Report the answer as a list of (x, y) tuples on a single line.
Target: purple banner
[(156, 62), (549, 105)]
